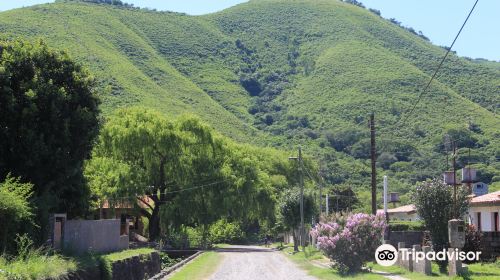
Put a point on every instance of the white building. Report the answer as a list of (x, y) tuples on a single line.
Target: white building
[(484, 211), (403, 213)]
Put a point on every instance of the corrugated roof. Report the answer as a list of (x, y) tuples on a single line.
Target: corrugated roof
[(490, 198)]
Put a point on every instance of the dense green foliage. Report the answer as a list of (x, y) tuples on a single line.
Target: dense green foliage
[(223, 231), (288, 212), (34, 263), (434, 201), (406, 226), (48, 120), (282, 73), (15, 211), (183, 164)]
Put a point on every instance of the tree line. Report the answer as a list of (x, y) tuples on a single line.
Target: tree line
[(59, 155)]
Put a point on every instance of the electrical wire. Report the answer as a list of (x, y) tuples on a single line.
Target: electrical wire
[(424, 91)]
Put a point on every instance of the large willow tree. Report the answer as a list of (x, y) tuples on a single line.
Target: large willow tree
[(142, 153), (185, 168)]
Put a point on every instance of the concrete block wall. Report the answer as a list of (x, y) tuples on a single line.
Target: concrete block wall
[(410, 263), (99, 236), (490, 244)]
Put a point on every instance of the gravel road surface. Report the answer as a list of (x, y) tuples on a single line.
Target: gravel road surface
[(256, 263)]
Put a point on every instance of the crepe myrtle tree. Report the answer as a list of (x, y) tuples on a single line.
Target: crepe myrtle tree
[(144, 154), (434, 201), (349, 240)]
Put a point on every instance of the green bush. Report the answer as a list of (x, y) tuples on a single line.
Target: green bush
[(33, 263), (406, 226), (167, 261), (15, 210), (225, 232)]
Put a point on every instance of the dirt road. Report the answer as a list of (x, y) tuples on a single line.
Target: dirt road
[(256, 263)]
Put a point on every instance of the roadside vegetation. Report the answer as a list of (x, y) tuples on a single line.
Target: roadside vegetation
[(480, 271), (315, 264), (199, 268)]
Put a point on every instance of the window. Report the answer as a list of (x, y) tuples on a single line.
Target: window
[(495, 221), (479, 221)]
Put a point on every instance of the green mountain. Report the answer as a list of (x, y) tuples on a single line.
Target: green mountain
[(282, 73)]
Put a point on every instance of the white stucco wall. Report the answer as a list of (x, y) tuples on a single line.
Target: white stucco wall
[(487, 216)]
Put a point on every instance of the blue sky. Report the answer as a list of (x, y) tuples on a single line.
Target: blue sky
[(439, 20)]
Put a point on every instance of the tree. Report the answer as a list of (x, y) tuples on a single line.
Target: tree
[(242, 181), (289, 211), (183, 164), (48, 121), (350, 240), (15, 210), (111, 180), (434, 202), (159, 151)]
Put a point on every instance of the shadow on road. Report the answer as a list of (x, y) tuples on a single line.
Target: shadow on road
[(245, 250)]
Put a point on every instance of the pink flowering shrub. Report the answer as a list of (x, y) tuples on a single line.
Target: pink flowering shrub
[(350, 242)]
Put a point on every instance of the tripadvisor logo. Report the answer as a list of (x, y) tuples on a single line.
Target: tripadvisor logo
[(387, 255)]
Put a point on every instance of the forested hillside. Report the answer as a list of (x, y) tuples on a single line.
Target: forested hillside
[(286, 73)]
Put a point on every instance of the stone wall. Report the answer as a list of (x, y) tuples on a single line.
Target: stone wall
[(137, 268), (490, 244), (100, 236)]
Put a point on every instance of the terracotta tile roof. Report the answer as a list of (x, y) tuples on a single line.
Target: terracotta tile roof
[(490, 198), (410, 208)]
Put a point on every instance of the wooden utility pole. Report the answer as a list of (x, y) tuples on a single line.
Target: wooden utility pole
[(373, 159), (455, 212), (301, 177), (320, 195), (301, 181)]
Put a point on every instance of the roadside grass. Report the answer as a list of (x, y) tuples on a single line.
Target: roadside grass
[(199, 268), (304, 261), (36, 265), (43, 265), (486, 271)]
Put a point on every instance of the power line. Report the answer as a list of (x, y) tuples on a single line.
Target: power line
[(170, 192), (424, 91)]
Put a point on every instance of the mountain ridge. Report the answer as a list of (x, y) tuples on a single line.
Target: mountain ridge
[(283, 73)]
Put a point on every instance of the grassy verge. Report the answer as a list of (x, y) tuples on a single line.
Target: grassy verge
[(117, 256), (36, 266), (304, 261), (486, 271), (200, 268)]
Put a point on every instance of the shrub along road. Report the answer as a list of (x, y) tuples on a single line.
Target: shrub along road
[(256, 263)]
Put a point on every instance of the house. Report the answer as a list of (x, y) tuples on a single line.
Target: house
[(403, 213), (125, 210), (484, 211)]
